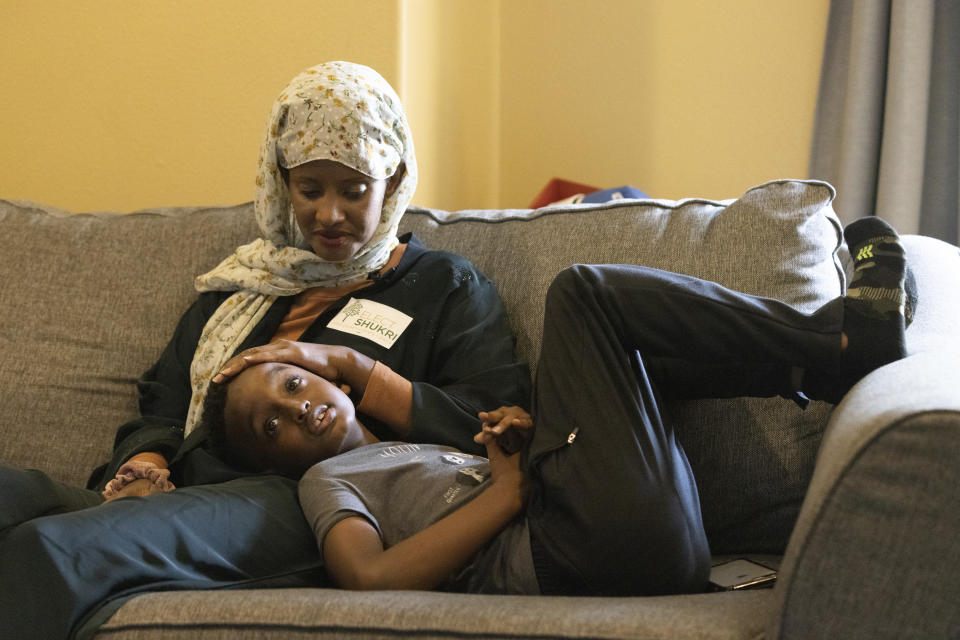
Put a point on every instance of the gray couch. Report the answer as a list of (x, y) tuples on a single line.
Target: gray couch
[(860, 502)]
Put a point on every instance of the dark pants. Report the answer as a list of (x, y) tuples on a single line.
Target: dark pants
[(56, 569), (614, 507)]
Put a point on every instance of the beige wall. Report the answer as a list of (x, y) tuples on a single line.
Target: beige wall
[(119, 105), (122, 104), (451, 84), (676, 97)]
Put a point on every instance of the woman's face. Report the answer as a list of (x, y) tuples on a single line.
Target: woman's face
[(282, 418), (337, 208)]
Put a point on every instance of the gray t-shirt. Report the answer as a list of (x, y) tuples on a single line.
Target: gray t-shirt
[(404, 488)]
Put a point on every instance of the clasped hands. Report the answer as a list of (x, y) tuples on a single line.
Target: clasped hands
[(505, 431)]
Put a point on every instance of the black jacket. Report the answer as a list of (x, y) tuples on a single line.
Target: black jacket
[(458, 352)]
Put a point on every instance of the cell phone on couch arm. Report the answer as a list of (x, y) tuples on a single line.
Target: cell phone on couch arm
[(738, 574)]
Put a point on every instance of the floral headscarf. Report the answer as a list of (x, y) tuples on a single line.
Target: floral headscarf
[(334, 111)]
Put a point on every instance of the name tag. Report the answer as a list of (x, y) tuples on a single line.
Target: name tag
[(371, 320)]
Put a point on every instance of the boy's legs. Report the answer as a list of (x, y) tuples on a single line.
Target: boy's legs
[(246, 532), (614, 507)]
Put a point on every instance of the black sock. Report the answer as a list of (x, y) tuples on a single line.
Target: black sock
[(875, 304), (878, 307)]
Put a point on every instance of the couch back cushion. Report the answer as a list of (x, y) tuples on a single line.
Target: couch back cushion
[(88, 302)]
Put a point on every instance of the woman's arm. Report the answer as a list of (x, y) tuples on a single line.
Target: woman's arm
[(354, 554), (473, 366)]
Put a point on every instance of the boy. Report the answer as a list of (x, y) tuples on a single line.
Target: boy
[(608, 502)]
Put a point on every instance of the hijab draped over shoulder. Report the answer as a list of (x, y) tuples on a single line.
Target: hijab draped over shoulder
[(336, 111)]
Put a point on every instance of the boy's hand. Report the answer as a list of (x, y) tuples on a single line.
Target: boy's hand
[(509, 426), (507, 476)]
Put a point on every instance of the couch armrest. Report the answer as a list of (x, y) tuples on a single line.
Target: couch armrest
[(875, 551)]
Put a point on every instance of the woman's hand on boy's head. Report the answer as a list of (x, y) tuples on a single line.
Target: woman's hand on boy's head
[(280, 351), (340, 365)]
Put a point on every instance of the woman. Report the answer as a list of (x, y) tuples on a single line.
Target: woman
[(419, 337)]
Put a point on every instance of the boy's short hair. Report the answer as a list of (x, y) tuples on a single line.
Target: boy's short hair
[(213, 418)]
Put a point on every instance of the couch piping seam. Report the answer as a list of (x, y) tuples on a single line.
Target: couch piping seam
[(339, 628)]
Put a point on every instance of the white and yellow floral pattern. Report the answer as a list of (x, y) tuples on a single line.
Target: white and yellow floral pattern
[(337, 111)]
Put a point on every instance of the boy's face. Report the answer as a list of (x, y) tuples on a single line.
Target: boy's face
[(282, 418)]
